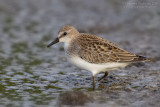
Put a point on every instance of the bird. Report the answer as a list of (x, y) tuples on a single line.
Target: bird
[(93, 53)]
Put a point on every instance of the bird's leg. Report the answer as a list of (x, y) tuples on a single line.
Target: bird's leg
[(93, 77), (106, 73)]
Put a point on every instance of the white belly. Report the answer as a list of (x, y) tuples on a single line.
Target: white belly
[(95, 68)]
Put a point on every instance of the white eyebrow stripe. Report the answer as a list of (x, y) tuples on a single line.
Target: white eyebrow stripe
[(59, 35)]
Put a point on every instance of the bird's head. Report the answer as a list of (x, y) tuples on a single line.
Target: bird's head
[(65, 34)]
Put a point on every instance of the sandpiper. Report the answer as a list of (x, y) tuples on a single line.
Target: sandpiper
[(94, 53)]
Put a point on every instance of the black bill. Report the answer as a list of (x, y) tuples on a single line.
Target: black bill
[(54, 42)]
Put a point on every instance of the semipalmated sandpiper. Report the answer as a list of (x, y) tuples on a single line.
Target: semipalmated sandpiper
[(94, 53)]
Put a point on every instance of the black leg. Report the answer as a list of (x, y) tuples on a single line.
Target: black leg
[(106, 73), (93, 77)]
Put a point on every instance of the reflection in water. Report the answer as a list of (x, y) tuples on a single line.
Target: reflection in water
[(74, 98)]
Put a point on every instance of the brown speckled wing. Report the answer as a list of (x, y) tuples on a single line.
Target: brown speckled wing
[(94, 49)]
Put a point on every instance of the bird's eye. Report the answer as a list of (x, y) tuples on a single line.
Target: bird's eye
[(65, 33)]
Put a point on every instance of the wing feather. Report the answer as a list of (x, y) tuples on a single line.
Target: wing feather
[(95, 49)]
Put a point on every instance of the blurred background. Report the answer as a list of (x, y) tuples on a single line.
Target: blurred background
[(32, 75)]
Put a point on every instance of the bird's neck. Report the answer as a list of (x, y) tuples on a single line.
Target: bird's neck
[(66, 45)]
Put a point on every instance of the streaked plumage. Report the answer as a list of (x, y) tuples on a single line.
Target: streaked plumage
[(96, 50), (94, 53)]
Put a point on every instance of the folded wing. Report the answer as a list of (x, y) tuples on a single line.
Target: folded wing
[(97, 50)]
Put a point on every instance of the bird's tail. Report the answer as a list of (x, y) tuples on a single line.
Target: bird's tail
[(141, 59)]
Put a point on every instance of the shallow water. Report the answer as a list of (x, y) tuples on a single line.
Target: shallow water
[(32, 75)]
